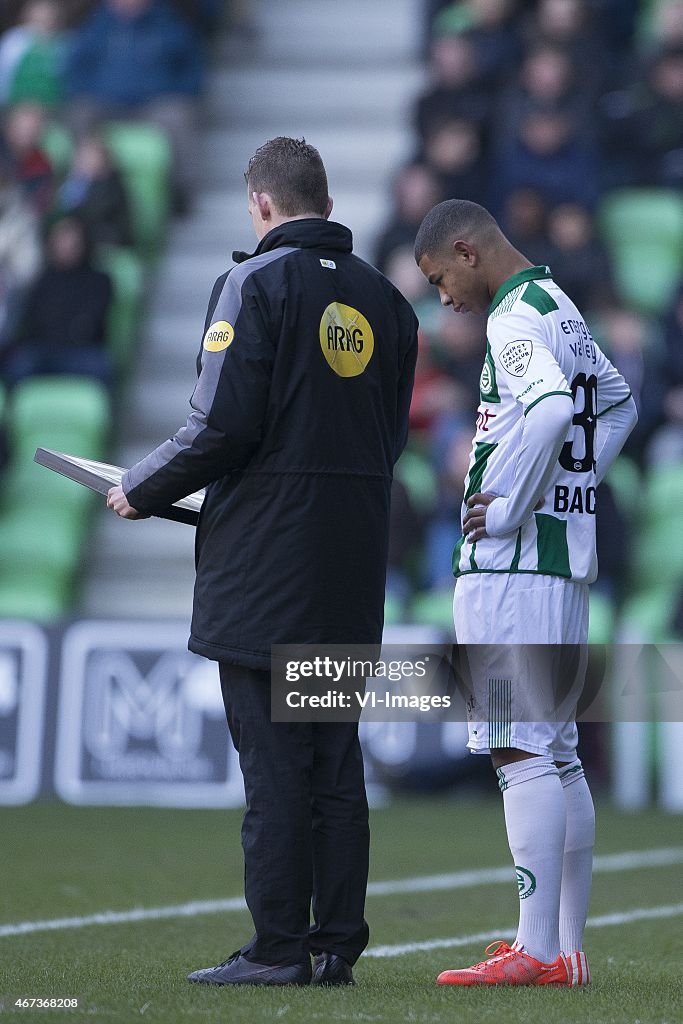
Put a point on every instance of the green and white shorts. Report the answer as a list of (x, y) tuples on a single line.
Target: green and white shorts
[(524, 660)]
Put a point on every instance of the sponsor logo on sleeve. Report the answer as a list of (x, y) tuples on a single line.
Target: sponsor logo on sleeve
[(516, 356), (219, 336)]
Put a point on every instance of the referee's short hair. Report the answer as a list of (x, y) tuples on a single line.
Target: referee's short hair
[(292, 172), (452, 220)]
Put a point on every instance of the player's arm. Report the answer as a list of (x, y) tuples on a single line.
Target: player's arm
[(228, 407), (544, 433), (617, 415), (525, 362), (614, 426)]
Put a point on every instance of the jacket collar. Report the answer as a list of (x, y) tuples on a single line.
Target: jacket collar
[(311, 233)]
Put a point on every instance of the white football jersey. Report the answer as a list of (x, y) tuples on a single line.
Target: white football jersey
[(538, 345)]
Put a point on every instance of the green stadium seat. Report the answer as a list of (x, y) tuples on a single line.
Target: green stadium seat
[(647, 616), (41, 540), (52, 410), (417, 475), (27, 483), (393, 610), (58, 146), (44, 598), (625, 480), (69, 414), (643, 229), (127, 275), (433, 608), (601, 619), (143, 155), (658, 548)]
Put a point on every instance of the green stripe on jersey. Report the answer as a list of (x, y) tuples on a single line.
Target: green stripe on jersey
[(514, 564), (528, 274), (552, 548), (483, 451), (455, 561), (538, 297)]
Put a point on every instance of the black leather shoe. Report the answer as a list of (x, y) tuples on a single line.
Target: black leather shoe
[(237, 970), (330, 969)]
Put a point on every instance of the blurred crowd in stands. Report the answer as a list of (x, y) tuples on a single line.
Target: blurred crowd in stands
[(564, 118), (68, 70), (99, 112)]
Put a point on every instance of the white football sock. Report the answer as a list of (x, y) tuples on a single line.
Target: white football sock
[(577, 867), (535, 818)]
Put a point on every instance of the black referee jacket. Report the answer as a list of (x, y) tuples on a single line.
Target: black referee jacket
[(300, 411)]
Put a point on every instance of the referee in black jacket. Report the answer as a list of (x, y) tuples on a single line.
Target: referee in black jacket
[(298, 416)]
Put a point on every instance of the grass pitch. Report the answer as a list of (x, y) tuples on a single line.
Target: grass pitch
[(60, 862)]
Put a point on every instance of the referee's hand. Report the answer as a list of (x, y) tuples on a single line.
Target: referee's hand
[(118, 502), (474, 523)]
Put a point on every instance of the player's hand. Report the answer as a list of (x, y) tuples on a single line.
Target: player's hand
[(118, 502), (474, 523)]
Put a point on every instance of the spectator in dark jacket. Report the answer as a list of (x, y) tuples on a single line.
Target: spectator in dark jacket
[(95, 192), (581, 265), (550, 153), (453, 150), (416, 190), (492, 24), (524, 219), (64, 323), (458, 86), (203, 14), (139, 59), (643, 125), (547, 81)]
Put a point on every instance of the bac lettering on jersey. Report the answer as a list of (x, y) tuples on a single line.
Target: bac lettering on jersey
[(516, 356), (577, 499)]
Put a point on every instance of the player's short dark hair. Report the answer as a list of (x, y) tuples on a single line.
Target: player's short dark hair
[(292, 172), (452, 220)]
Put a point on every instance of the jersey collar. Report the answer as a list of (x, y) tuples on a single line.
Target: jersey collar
[(530, 274)]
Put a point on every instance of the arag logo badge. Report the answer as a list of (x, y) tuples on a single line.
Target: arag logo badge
[(219, 336), (346, 339), (526, 882)]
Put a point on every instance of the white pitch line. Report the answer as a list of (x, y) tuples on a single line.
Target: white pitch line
[(603, 921), (605, 863)]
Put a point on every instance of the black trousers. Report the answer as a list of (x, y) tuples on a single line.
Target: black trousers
[(305, 833)]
